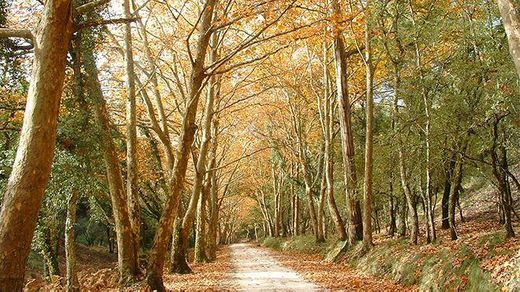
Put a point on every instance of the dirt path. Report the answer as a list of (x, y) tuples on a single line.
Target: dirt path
[(255, 269)]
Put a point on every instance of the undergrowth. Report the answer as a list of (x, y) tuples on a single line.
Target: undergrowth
[(433, 267)]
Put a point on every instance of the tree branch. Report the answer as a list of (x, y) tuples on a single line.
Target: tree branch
[(105, 22), (16, 33), (90, 6)]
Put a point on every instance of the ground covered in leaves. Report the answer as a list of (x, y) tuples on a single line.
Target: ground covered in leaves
[(333, 275), (216, 276), (97, 271)]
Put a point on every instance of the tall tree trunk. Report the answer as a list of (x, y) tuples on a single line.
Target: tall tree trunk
[(428, 210), (213, 201), (126, 248), (410, 198), (507, 199), (455, 183), (402, 219), (132, 191), (500, 166), (176, 182), (32, 165), (296, 218), (367, 193), (309, 192), (179, 261), (321, 201), (200, 240), (448, 176), (72, 284), (49, 252), (511, 20), (355, 225), (277, 185), (333, 208), (392, 224)]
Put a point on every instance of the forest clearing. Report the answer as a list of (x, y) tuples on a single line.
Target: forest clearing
[(238, 145)]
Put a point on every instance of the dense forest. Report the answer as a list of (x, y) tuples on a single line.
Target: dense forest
[(154, 133)]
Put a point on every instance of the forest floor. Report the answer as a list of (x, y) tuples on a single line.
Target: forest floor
[(257, 269), (239, 267), (329, 276)]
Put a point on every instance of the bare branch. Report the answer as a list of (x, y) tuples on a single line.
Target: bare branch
[(105, 22), (90, 6), (16, 33)]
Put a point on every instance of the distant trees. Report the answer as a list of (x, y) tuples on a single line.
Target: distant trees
[(424, 81)]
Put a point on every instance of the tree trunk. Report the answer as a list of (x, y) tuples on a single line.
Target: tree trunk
[(72, 284), (392, 224), (132, 191), (209, 244), (511, 20), (303, 160), (179, 253), (355, 227), (200, 240), (213, 203), (367, 191), (32, 165), (179, 262), (455, 183), (448, 174), (402, 219), (126, 248), (296, 218), (176, 182), (49, 252), (321, 203), (500, 166), (428, 210), (410, 198), (507, 199), (277, 185)]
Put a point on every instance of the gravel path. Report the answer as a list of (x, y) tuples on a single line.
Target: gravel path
[(255, 269)]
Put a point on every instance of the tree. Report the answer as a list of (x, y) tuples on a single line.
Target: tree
[(176, 179), (131, 141), (126, 244), (354, 219), (32, 165), (511, 20), (367, 193)]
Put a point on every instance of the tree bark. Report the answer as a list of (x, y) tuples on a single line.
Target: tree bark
[(428, 210), (126, 248), (500, 166), (410, 198), (455, 183), (72, 284), (200, 237), (392, 224), (511, 20), (213, 201), (164, 229), (355, 225), (367, 191), (448, 174), (302, 157), (132, 191), (179, 261), (32, 166)]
